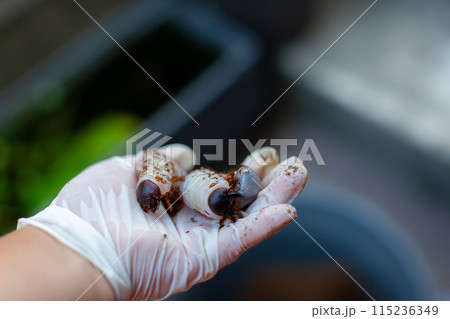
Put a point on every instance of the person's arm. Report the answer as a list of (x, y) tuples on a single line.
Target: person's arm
[(96, 225), (35, 266)]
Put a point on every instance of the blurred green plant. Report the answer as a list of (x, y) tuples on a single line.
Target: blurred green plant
[(66, 127), (30, 180), (101, 138)]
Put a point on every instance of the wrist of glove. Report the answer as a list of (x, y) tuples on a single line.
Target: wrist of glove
[(83, 238)]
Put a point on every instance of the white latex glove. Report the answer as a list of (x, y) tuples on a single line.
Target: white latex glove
[(152, 256)]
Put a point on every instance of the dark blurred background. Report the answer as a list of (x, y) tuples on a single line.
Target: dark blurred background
[(377, 105)]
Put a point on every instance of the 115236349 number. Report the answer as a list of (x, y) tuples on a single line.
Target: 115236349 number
[(380, 310)]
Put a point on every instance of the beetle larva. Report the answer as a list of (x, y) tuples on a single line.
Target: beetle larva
[(156, 177), (247, 185), (219, 195)]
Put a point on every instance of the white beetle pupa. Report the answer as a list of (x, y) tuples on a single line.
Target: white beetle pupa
[(155, 172), (216, 195), (206, 192)]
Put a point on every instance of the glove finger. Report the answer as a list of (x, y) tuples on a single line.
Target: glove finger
[(247, 232), (281, 168), (284, 184)]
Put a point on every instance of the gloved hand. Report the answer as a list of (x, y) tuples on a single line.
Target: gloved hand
[(152, 256)]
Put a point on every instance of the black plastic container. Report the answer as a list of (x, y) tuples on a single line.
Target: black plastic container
[(82, 104), (374, 249)]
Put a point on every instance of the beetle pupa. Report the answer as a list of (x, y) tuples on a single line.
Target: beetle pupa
[(218, 195), (156, 177)]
